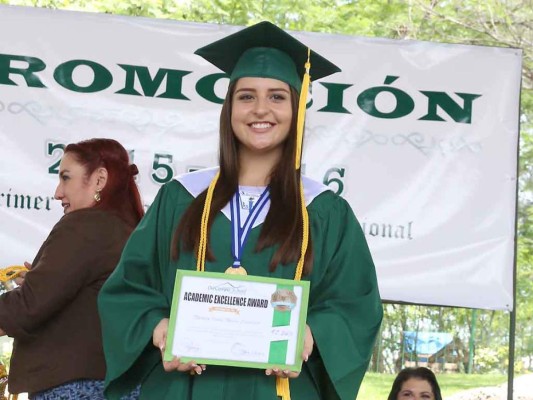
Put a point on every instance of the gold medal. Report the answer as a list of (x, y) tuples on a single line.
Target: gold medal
[(236, 270)]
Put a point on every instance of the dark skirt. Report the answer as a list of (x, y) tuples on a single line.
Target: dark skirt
[(84, 389)]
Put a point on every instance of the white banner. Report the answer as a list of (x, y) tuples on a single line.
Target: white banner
[(420, 138)]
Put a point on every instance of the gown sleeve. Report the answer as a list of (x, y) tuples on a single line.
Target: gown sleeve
[(345, 310), (132, 301)]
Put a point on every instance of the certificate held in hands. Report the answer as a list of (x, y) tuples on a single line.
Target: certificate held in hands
[(235, 320)]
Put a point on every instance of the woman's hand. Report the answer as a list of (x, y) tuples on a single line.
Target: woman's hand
[(308, 349), (159, 339), (19, 280)]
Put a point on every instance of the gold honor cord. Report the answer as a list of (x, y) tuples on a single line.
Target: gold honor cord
[(11, 272), (282, 384), (305, 235), (202, 246)]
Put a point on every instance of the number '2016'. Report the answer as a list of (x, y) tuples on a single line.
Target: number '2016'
[(163, 170)]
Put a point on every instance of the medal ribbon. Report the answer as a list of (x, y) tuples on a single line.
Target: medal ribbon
[(240, 235)]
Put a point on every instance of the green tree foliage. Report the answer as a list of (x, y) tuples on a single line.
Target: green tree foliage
[(506, 23)]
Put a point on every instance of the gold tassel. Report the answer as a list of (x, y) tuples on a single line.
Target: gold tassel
[(282, 384), (302, 105), (202, 246), (299, 142), (282, 388)]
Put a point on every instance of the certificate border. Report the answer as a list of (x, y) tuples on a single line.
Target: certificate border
[(296, 367)]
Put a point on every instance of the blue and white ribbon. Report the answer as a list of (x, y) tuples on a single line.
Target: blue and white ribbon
[(240, 234)]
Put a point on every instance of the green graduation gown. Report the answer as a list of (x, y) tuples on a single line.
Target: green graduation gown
[(344, 312)]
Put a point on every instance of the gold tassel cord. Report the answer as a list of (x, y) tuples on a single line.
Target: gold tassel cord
[(302, 104), (11, 272), (282, 388), (305, 235), (282, 384), (202, 246), (299, 142)]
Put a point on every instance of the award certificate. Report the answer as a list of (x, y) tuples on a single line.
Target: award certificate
[(240, 321)]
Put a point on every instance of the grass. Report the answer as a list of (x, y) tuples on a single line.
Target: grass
[(377, 386)]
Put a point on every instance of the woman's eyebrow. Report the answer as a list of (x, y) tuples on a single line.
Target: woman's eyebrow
[(244, 89), (278, 90)]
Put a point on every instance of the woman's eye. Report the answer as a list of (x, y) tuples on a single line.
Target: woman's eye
[(245, 96), (278, 97), (64, 177)]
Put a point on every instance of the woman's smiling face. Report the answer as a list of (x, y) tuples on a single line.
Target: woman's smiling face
[(261, 114)]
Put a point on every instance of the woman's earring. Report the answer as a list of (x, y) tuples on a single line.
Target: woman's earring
[(97, 196)]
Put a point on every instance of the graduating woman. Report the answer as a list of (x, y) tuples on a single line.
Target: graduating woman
[(301, 231)]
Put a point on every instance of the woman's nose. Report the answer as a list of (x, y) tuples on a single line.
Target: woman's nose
[(58, 195), (261, 107)]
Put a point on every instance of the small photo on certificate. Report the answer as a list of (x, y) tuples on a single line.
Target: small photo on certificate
[(234, 320)]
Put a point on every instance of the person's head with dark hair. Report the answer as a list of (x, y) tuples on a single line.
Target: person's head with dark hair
[(415, 384), (261, 138), (97, 173)]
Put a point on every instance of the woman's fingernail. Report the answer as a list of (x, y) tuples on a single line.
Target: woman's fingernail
[(267, 372)]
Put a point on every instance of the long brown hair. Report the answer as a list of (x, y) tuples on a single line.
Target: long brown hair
[(120, 194), (283, 224)]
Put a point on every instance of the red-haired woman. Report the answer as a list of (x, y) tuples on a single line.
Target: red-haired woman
[(53, 315)]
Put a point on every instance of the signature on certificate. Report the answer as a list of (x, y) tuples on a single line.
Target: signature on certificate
[(239, 349), (189, 347)]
